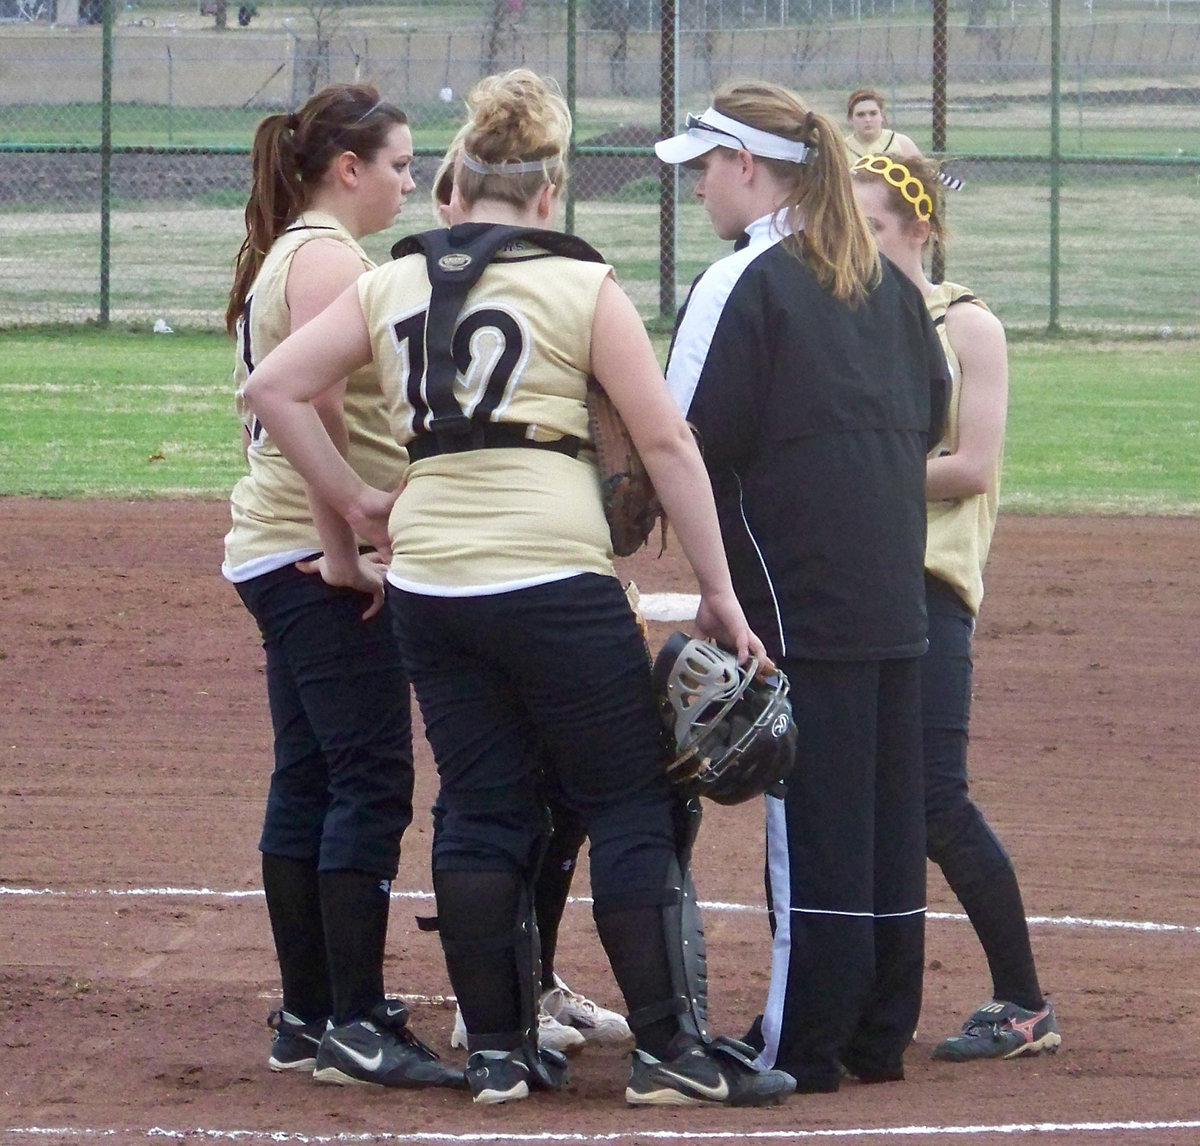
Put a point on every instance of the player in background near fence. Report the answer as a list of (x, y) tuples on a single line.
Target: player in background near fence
[(520, 641), (869, 132), (902, 203), (567, 1020), (816, 384), (341, 791)]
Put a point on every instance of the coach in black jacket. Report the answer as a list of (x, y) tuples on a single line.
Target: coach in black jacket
[(815, 382)]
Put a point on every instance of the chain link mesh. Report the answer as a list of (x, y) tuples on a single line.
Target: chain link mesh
[(187, 95)]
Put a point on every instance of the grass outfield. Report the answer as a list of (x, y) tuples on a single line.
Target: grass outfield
[(1103, 429), (1114, 277)]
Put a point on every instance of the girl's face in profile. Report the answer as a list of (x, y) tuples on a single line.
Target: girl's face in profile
[(722, 190), (893, 235)]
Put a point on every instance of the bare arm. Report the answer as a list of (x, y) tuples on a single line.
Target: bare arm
[(282, 391), (319, 272), (624, 364), (978, 340)]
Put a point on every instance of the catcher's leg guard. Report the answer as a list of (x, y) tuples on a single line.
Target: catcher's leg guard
[(665, 983), (492, 955)]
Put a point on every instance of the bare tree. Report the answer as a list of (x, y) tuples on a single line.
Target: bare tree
[(326, 17)]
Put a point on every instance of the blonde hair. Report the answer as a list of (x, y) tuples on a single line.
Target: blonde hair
[(515, 117), (443, 181), (927, 172), (834, 240), (288, 158)]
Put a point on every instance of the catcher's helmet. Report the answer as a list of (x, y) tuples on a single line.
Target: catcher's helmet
[(731, 726)]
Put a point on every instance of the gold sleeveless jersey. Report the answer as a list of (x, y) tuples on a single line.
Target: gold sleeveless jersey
[(272, 524), (960, 529), (492, 520), (884, 145)]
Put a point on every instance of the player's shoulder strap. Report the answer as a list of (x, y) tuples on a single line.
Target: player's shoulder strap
[(957, 295), (455, 258)]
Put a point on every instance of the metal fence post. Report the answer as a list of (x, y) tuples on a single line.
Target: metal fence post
[(106, 73), (572, 66), (1055, 154), (937, 268), (668, 175)]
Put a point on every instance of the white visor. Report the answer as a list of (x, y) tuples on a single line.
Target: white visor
[(712, 129)]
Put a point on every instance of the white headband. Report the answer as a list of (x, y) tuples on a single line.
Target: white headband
[(712, 129), (513, 167)]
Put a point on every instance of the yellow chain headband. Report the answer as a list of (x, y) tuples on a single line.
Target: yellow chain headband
[(901, 178)]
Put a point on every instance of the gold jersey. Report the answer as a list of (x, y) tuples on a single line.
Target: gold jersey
[(272, 523), (960, 529), (886, 144), (492, 520)]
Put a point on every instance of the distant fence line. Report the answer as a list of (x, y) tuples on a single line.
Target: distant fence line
[(183, 107), (275, 68)]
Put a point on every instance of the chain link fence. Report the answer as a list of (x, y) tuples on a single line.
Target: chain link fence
[(1077, 213)]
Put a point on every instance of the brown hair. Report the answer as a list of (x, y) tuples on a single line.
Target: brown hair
[(862, 94), (834, 240), (290, 154), (927, 173), (515, 117)]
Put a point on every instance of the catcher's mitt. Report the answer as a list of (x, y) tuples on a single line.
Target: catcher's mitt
[(630, 503)]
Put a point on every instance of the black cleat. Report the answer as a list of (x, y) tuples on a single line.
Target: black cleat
[(294, 1046), (721, 1072), (381, 1050)]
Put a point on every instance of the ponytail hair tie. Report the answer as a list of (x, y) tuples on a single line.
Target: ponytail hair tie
[(293, 122)]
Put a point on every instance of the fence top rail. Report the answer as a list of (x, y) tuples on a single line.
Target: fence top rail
[(585, 151)]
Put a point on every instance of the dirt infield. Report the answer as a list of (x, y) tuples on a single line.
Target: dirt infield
[(134, 978)]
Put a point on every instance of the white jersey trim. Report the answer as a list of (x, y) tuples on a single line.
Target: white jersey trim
[(706, 304), (248, 570), (781, 946), (783, 651), (426, 590)]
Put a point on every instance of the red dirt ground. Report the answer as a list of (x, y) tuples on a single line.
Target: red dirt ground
[(134, 757)]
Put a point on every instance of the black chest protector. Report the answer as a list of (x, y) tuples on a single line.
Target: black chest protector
[(455, 258)]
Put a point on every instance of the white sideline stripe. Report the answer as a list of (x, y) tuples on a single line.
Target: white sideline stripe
[(777, 1135), (669, 606), (706, 905)]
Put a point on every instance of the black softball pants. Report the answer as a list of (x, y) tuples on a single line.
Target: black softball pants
[(552, 676), (341, 790), (974, 861), (846, 875)]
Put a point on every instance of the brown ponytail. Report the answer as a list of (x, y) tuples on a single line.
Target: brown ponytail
[(290, 154), (829, 232)]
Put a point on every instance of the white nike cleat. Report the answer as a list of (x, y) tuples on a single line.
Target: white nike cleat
[(718, 1073), (598, 1025), (381, 1050), (552, 1035)]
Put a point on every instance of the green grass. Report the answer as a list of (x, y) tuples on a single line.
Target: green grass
[(1116, 276), (93, 414), (1103, 429), (120, 414)]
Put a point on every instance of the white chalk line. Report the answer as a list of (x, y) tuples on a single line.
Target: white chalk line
[(158, 1132), (706, 905)]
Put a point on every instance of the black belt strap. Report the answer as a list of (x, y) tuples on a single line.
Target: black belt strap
[(488, 436)]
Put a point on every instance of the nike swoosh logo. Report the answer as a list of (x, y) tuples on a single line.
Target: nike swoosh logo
[(392, 1012), (716, 1093), (372, 1063)]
